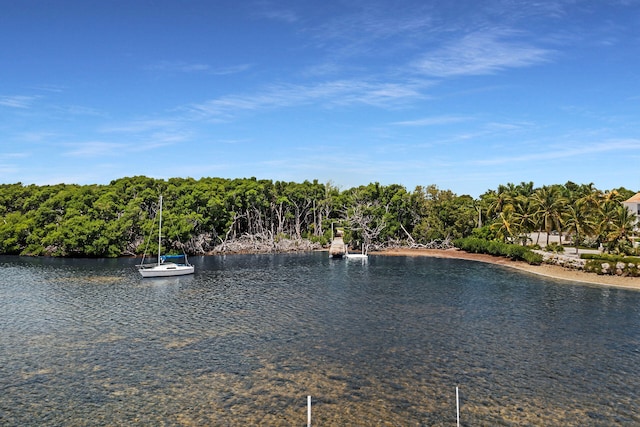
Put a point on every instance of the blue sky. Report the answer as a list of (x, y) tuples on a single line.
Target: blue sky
[(465, 95)]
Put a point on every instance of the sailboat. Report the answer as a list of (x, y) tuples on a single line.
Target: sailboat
[(166, 267)]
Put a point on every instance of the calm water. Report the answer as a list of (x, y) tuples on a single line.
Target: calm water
[(247, 338)]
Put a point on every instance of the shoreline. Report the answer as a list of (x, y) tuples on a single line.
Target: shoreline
[(547, 270)]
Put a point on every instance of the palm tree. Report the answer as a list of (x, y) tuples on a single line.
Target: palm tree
[(590, 197), (505, 226), (604, 220), (622, 225), (578, 220), (612, 196), (524, 189), (524, 216), (498, 201), (549, 205), (608, 202)]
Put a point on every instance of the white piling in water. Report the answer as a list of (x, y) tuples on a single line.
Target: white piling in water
[(308, 411), (457, 407)]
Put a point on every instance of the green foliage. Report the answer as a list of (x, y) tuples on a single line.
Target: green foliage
[(497, 248), (472, 244), (593, 266), (611, 258), (601, 266), (608, 264), (114, 219), (532, 258), (484, 232), (554, 247), (440, 214)]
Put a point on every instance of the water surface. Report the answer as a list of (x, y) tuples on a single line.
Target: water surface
[(248, 337)]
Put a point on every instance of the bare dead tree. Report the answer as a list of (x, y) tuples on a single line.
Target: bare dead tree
[(232, 226), (361, 217)]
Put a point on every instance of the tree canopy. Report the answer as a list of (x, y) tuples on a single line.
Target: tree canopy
[(199, 215)]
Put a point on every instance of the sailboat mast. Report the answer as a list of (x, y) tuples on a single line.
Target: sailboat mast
[(160, 231)]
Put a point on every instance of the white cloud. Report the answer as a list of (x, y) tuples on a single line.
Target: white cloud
[(14, 155), (552, 153), (283, 15), (79, 110), (338, 92), (93, 149), (433, 121), (17, 101), (138, 126), (481, 53), (196, 67), (370, 30)]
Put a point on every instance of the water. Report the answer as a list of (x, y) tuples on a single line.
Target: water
[(248, 337)]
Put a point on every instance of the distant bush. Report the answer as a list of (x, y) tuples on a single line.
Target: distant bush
[(593, 266), (497, 248), (471, 244), (611, 258), (612, 264), (532, 258), (554, 247), (484, 233), (621, 268)]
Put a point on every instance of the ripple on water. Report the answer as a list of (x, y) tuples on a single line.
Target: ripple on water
[(247, 338)]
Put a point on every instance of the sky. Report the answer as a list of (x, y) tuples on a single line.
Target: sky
[(465, 95)]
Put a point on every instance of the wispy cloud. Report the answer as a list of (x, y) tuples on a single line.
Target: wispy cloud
[(36, 136), (141, 126), (232, 141), (232, 69), (160, 139), (433, 121), (284, 15), (373, 31), (333, 93), (17, 101), (8, 169), (375, 24), (79, 110), (622, 145), (195, 67), (102, 149), (50, 88), (93, 149), (18, 155), (482, 53)]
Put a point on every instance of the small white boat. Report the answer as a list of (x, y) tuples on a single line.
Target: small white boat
[(164, 267)]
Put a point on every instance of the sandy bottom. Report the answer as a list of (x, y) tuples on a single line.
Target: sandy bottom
[(548, 270)]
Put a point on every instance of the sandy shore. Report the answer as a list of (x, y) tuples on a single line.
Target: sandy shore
[(543, 270)]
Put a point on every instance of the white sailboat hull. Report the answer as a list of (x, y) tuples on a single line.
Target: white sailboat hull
[(166, 270), (163, 268)]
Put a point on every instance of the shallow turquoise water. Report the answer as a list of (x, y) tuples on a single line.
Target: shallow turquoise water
[(248, 337)]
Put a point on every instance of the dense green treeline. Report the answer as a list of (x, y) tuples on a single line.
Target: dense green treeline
[(202, 215)]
